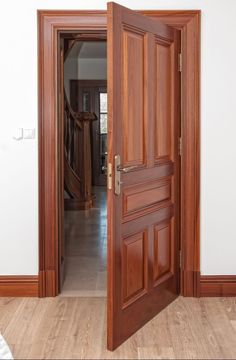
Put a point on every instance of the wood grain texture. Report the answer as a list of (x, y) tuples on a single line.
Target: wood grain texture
[(132, 76), (218, 285), (75, 328), (163, 100), (162, 251), (189, 23), (135, 267), (19, 285), (50, 21), (145, 195)]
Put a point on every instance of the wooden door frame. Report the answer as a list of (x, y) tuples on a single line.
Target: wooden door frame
[(50, 23)]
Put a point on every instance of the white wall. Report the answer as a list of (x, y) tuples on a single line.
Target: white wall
[(84, 69), (18, 160), (92, 69), (70, 72)]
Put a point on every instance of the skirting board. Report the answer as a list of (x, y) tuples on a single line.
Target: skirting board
[(17, 285), (217, 285), (27, 285)]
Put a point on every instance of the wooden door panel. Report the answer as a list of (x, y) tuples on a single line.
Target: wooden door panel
[(133, 98), (166, 169), (162, 261), (134, 267), (146, 221), (163, 100), (143, 127), (139, 197)]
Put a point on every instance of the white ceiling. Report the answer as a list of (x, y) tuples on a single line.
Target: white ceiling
[(89, 49)]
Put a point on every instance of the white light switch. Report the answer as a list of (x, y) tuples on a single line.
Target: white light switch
[(18, 134), (29, 133)]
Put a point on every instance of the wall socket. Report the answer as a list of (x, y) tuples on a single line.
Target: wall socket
[(21, 133), (29, 133)]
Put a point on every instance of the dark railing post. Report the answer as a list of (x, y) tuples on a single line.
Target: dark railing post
[(78, 162)]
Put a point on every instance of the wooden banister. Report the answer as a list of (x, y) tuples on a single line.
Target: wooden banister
[(78, 167)]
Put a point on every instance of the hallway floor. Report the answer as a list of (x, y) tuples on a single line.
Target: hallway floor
[(86, 249), (75, 328)]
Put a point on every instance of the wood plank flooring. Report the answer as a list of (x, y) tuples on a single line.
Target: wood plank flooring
[(75, 328)]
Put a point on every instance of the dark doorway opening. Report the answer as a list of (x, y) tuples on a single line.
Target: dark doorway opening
[(83, 114)]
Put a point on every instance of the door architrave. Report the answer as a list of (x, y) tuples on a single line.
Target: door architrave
[(50, 24)]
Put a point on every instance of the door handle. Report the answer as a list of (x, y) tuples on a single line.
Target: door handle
[(104, 168), (126, 169), (117, 174), (118, 170)]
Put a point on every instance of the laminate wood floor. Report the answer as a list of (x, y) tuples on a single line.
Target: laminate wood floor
[(75, 328), (86, 249)]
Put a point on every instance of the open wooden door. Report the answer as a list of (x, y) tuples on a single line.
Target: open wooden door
[(143, 170)]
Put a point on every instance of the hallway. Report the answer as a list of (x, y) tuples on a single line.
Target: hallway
[(86, 249)]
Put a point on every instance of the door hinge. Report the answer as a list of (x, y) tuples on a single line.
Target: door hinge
[(180, 62), (180, 259), (180, 146)]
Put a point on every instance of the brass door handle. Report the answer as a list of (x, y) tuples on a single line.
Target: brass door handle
[(126, 169), (118, 170)]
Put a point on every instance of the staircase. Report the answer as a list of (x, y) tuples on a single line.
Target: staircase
[(77, 157)]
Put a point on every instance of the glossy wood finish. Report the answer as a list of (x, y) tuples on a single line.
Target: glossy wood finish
[(163, 110), (148, 195), (75, 328), (218, 285), (162, 251), (189, 23), (18, 285), (50, 22), (134, 297), (134, 267), (134, 142), (61, 167)]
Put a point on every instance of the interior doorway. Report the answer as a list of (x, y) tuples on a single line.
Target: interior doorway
[(134, 295), (83, 80)]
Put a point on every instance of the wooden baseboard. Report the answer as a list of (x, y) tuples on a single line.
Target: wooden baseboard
[(218, 285), (48, 286), (17, 285), (28, 286), (190, 283)]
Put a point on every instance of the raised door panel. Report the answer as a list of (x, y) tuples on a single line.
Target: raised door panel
[(162, 262), (142, 119), (134, 267), (163, 101), (140, 197), (134, 143)]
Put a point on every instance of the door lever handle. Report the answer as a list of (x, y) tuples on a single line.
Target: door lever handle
[(118, 170), (126, 169)]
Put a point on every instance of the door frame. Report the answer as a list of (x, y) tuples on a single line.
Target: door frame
[(50, 23)]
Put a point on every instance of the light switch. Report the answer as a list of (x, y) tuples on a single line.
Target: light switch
[(29, 133), (18, 134)]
